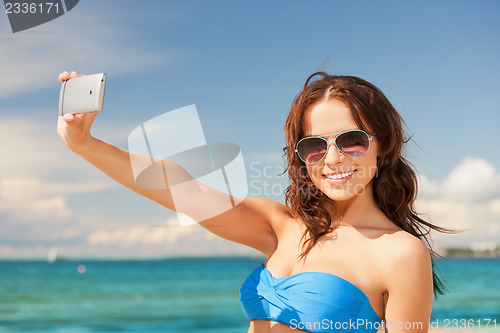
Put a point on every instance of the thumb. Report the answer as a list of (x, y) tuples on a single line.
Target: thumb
[(70, 118)]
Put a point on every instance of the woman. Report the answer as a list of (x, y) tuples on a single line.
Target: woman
[(346, 253)]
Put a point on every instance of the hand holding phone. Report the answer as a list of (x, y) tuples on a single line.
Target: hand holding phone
[(82, 94), (73, 125)]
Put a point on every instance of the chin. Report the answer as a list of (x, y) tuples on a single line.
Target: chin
[(339, 197), (345, 192)]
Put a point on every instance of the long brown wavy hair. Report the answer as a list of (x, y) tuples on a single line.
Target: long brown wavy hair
[(394, 188)]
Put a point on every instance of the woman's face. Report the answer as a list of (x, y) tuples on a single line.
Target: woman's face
[(333, 116)]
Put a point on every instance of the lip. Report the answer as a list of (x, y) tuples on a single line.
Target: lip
[(338, 181)]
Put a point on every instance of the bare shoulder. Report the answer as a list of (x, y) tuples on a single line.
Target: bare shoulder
[(404, 256), (406, 277), (402, 240), (400, 245)]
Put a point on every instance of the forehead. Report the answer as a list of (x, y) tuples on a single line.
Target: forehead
[(327, 117)]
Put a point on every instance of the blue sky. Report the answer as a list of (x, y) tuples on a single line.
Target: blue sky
[(241, 63)]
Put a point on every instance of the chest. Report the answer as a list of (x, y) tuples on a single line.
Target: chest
[(345, 254)]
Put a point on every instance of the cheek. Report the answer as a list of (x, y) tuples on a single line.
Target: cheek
[(314, 171), (367, 166)]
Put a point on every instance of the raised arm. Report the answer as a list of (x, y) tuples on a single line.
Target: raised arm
[(252, 222)]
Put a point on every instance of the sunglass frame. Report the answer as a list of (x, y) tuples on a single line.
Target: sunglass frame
[(323, 137)]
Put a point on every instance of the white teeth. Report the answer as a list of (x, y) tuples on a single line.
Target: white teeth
[(340, 175)]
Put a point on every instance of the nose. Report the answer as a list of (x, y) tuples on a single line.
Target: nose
[(333, 155)]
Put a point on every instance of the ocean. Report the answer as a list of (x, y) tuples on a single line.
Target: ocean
[(191, 295)]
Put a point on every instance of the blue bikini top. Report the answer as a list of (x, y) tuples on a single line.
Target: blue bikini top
[(311, 301)]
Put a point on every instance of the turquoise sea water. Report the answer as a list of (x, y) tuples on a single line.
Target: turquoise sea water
[(187, 295)]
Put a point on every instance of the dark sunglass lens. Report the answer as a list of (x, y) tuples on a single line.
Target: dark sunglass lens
[(312, 150), (354, 143)]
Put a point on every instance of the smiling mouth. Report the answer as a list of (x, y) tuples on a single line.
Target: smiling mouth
[(339, 175)]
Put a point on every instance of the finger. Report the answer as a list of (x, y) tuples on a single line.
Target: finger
[(85, 115), (75, 74), (70, 118), (64, 76)]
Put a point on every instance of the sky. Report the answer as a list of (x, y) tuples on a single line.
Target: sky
[(241, 64)]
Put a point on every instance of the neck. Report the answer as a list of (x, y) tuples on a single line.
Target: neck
[(359, 211)]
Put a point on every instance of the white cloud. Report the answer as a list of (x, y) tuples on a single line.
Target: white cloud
[(53, 208), (31, 189), (18, 189), (428, 188), (35, 215), (32, 194), (32, 199), (168, 240), (473, 180), (35, 251), (87, 42), (31, 148), (469, 199)]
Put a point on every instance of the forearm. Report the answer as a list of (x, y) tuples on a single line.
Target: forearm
[(117, 164)]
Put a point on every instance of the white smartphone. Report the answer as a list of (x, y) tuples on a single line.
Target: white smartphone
[(82, 94)]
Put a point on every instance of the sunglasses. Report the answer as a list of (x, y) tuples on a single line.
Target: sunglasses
[(313, 149)]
